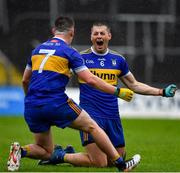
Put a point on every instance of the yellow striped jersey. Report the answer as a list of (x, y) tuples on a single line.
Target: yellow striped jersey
[(109, 67), (51, 63)]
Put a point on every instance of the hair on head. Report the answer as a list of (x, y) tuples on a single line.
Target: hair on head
[(64, 23), (102, 23)]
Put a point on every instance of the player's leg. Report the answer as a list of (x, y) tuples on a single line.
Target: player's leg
[(115, 132), (87, 124), (121, 151), (43, 147), (38, 119), (98, 157), (73, 116)]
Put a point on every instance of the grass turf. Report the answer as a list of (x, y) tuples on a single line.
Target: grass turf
[(157, 141)]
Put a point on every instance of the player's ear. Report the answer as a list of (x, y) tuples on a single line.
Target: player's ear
[(110, 35), (71, 33)]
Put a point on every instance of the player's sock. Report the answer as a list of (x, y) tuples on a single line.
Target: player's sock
[(24, 151), (120, 163)]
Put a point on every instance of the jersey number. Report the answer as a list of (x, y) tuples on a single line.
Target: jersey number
[(49, 52)]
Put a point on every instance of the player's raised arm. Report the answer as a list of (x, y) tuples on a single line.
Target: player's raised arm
[(123, 93), (144, 89)]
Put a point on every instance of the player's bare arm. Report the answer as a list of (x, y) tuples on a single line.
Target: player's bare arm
[(144, 89), (94, 81), (26, 78)]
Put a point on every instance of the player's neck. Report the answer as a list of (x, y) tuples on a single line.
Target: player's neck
[(63, 37)]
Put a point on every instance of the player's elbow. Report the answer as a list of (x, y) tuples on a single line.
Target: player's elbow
[(25, 82)]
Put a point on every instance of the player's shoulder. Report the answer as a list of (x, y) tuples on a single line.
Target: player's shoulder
[(86, 51), (113, 52)]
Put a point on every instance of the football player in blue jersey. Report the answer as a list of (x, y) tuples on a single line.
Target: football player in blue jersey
[(46, 104), (102, 107)]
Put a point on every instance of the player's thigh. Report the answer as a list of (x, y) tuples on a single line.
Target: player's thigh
[(44, 140), (84, 122), (98, 158)]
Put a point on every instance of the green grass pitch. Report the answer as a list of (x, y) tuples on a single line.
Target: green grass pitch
[(157, 141)]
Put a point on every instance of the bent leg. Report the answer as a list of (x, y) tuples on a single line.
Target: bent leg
[(93, 157), (86, 124), (43, 147)]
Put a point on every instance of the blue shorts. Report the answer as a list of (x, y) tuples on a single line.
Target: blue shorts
[(112, 128), (41, 118)]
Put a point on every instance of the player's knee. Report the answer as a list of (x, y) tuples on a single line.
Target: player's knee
[(92, 126)]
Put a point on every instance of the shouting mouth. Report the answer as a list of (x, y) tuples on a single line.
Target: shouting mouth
[(99, 42)]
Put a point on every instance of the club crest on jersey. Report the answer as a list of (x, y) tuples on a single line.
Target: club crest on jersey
[(113, 62)]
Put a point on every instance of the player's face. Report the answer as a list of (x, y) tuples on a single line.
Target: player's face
[(100, 37)]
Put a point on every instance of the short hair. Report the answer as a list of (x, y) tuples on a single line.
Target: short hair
[(101, 23), (64, 23)]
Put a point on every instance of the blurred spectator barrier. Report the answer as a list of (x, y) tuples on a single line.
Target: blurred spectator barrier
[(11, 101)]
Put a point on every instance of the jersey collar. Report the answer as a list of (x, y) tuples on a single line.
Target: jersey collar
[(100, 54)]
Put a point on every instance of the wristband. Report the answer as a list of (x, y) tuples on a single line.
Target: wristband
[(116, 92), (164, 93)]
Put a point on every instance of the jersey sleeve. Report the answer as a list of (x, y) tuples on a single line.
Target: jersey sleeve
[(124, 68), (29, 63)]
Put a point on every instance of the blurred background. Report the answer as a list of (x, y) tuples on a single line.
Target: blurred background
[(147, 33)]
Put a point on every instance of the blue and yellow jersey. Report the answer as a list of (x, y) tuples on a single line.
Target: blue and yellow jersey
[(109, 67), (51, 63)]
